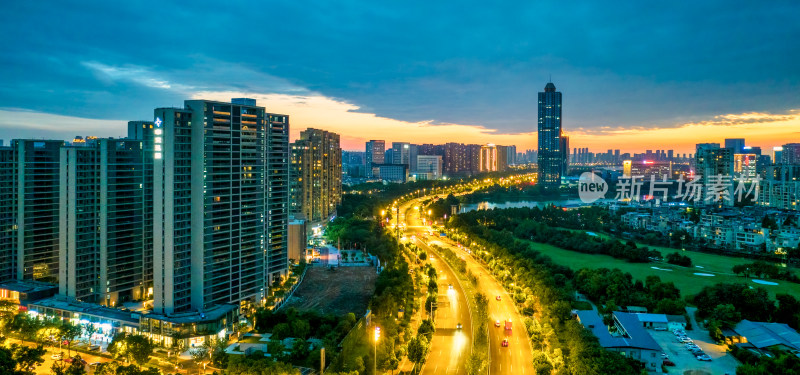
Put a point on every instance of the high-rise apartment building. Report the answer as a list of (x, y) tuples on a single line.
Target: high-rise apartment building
[(551, 159), (144, 132), (29, 242), (715, 165), (375, 154), (790, 153), (316, 174), (101, 221), (220, 204), (488, 159)]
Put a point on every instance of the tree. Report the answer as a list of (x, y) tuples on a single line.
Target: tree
[(417, 350), (199, 355), (281, 331), (482, 307), (476, 364), (426, 328), (76, 367), (430, 304), (133, 348), (69, 332), (300, 328)]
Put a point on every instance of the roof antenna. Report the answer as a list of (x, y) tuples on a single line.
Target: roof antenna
[(551, 78)]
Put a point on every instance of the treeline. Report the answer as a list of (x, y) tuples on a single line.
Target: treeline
[(745, 303), (612, 288), (765, 270), (537, 225), (544, 292)]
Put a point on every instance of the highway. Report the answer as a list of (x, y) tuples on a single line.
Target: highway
[(450, 346), (516, 357)]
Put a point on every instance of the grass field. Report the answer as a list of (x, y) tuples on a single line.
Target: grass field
[(338, 291), (684, 278)]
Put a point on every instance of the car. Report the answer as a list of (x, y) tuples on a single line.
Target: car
[(497, 298), (686, 339), (94, 347), (664, 355), (497, 323), (504, 343), (667, 362), (704, 357), (450, 286), (94, 364), (458, 326)]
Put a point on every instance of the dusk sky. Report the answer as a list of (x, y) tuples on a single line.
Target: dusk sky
[(634, 77)]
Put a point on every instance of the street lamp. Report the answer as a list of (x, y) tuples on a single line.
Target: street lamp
[(377, 336)]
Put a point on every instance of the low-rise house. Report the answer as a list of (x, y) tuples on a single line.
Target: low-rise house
[(760, 335), (628, 338)]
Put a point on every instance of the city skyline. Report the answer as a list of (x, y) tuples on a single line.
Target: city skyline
[(625, 91)]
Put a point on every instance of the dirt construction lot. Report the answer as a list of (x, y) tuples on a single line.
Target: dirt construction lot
[(721, 362), (338, 291)]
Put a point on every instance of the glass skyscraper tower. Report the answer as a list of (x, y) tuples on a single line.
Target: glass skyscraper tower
[(551, 159)]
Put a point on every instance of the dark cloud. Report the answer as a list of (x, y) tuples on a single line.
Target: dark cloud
[(463, 62)]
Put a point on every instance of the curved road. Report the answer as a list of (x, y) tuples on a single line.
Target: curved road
[(516, 358), (450, 346)]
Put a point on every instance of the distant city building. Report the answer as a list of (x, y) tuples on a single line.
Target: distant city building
[(392, 172), (353, 164), (488, 159), (316, 174), (790, 153), (430, 166), (374, 155), (401, 153), (564, 149), (551, 159), (735, 144), (715, 166), (745, 167), (781, 187)]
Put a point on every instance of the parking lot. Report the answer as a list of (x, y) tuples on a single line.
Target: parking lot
[(721, 361)]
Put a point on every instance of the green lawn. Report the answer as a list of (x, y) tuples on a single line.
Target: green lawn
[(684, 278)]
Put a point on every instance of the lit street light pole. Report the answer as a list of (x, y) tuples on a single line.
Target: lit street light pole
[(375, 363)]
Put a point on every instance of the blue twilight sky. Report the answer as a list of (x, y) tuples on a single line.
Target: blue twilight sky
[(75, 67)]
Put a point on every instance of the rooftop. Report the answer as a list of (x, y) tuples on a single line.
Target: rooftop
[(655, 318), (27, 286), (637, 336), (210, 315), (88, 308), (763, 335)]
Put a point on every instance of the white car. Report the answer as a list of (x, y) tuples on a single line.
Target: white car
[(56, 356)]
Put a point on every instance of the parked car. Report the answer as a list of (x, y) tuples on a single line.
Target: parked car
[(704, 357), (56, 356), (686, 339), (667, 362)]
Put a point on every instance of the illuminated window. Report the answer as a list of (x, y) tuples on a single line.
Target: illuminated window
[(217, 199), (158, 147), (157, 132), (158, 155)]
